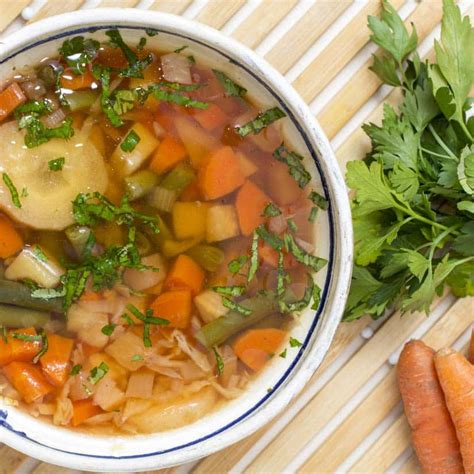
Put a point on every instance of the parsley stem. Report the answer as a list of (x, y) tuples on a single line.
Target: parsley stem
[(440, 238), (439, 155), (408, 210), (441, 143), (466, 131)]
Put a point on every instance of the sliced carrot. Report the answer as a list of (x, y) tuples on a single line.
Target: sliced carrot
[(55, 362), (221, 174), (72, 81), (256, 346), (83, 410), (250, 203), (169, 153), (10, 99), (191, 193), (17, 349), (211, 118), (185, 273), (175, 306), (28, 380), (10, 240)]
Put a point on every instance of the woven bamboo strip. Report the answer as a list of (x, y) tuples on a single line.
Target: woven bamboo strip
[(10, 10), (216, 13), (410, 466), (118, 3), (224, 460), (364, 82), (304, 33), (55, 7), (336, 393), (347, 43), (388, 447), (44, 468), (171, 6), (383, 398), (262, 20), (10, 460)]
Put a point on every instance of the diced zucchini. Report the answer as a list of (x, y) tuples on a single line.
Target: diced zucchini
[(129, 162), (189, 219), (162, 199), (34, 264), (209, 305), (140, 183), (222, 223)]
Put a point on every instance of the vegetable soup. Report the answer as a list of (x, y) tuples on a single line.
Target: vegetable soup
[(156, 238)]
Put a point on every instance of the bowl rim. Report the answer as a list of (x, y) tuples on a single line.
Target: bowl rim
[(338, 284)]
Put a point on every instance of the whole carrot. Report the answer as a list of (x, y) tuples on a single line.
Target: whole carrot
[(433, 434), (456, 376)]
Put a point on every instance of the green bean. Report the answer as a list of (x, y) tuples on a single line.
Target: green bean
[(218, 331), (179, 178), (15, 317), (78, 235), (208, 256), (140, 184), (17, 294), (81, 100)]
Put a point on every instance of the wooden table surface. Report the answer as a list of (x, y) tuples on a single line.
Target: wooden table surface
[(349, 417)]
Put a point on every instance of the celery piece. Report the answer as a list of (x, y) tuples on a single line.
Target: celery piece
[(179, 178), (162, 198), (208, 256), (80, 100), (140, 183)]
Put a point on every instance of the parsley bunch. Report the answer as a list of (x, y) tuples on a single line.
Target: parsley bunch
[(413, 210)]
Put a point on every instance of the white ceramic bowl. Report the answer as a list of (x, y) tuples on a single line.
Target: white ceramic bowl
[(286, 377)]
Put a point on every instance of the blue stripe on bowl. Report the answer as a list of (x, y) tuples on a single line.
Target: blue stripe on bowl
[(324, 295)]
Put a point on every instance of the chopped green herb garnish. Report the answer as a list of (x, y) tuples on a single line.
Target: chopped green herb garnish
[(232, 88), (147, 317), (24, 192), (272, 240), (48, 293), (318, 200), (219, 362), (236, 264), (128, 319), (130, 141), (107, 102), (44, 346), (146, 335), (253, 267), (108, 329), (141, 44), (178, 50), (79, 53), (236, 307), (191, 59), (313, 214), (316, 297), (236, 290), (4, 334), (271, 210), (27, 337), (136, 358), (179, 99), (295, 166), (75, 370), (98, 373), (292, 225), (57, 164), (301, 256), (13, 191), (294, 342), (298, 305), (261, 121), (39, 254), (150, 32), (280, 275), (283, 353)]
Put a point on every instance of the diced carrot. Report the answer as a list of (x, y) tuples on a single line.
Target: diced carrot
[(169, 153), (88, 350), (191, 192), (28, 380), (17, 349), (270, 257), (55, 362), (185, 273), (83, 410), (10, 240), (221, 174), (250, 203), (90, 296), (175, 306), (72, 81), (10, 99), (256, 346), (281, 186), (211, 118)]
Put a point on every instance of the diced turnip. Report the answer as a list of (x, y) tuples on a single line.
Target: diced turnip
[(140, 384), (128, 351), (209, 305), (87, 325), (222, 223)]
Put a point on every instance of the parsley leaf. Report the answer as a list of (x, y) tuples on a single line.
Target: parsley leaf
[(219, 362), (57, 164), (295, 165), (236, 290), (232, 88), (271, 210), (261, 121), (79, 53), (98, 373), (13, 191), (130, 141)]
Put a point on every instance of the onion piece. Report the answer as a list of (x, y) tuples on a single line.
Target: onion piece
[(304, 245), (54, 119), (176, 68), (198, 357), (34, 89), (277, 224)]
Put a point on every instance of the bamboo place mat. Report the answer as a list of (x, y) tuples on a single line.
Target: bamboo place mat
[(349, 417)]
